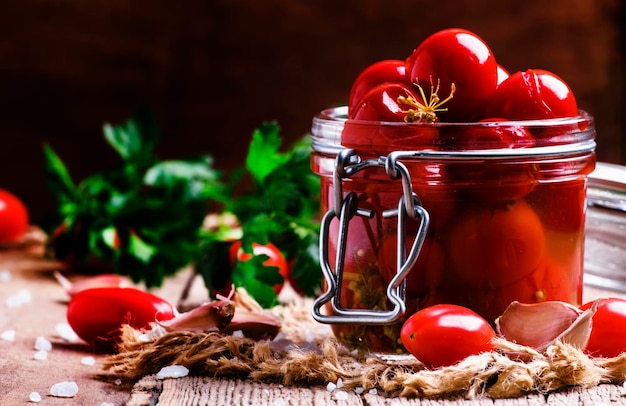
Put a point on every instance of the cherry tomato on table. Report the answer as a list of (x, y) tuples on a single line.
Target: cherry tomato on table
[(445, 334), (608, 330), (459, 57), (13, 217), (275, 258), (97, 315)]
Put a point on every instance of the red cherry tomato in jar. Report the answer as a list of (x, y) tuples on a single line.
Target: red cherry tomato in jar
[(607, 337), (427, 272), (382, 103), (13, 217), (386, 71), (561, 206), (495, 133), (533, 94), (443, 335), (97, 315), (459, 57), (495, 246), (275, 258)]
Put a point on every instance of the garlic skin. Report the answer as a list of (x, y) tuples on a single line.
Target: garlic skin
[(212, 316), (538, 325)]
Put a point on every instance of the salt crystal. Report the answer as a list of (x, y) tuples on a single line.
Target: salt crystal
[(339, 383), (107, 404), (8, 335), (64, 389), (42, 344), (66, 332), (41, 355), (88, 361), (238, 334), (5, 275), (359, 390), (19, 299), (34, 397), (331, 387), (341, 395), (118, 382), (172, 371), (373, 391)]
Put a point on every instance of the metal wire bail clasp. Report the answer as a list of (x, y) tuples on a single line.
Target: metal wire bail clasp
[(409, 208)]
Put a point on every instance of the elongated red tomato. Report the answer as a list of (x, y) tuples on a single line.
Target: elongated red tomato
[(97, 315), (13, 217), (607, 337), (445, 334)]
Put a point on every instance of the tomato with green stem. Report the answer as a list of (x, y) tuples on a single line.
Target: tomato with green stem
[(13, 217), (445, 334)]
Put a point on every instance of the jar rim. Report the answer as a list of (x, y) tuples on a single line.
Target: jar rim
[(328, 126)]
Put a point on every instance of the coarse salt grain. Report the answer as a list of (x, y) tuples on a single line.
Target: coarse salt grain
[(331, 386), (373, 391), (64, 389), (359, 390), (41, 344), (66, 332), (172, 371), (339, 383), (5, 275), (34, 397), (8, 335), (88, 361), (19, 299), (341, 395), (41, 355), (118, 382), (107, 404)]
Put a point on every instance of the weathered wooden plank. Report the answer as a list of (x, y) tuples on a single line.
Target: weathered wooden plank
[(597, 396), (530, 400)]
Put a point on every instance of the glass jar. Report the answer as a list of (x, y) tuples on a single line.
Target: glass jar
[(420, 214)]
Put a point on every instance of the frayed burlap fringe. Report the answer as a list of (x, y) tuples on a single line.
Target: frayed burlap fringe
[(511, 371)]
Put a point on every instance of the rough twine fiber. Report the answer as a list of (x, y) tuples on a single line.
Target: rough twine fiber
[(509, 372)]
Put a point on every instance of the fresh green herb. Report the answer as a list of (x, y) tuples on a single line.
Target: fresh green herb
[(144, 217), (279, 207), (141, 217)]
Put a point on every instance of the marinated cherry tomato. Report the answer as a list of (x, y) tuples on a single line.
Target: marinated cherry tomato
[(13, 217), (533, 94), (97, 315), (445, 334), (547, 282), (607, 337), (427, 272), (561, 206), (459, 57), (495, 246), (382, 103), (489, 136), (386, 71), (275, 258)]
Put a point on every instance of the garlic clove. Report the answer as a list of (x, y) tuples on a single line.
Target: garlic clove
[(577, 334), (254, 324), (97, 281), (212, 316), (537, 325)]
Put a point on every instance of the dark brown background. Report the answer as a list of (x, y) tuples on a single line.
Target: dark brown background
[(214, 70)]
